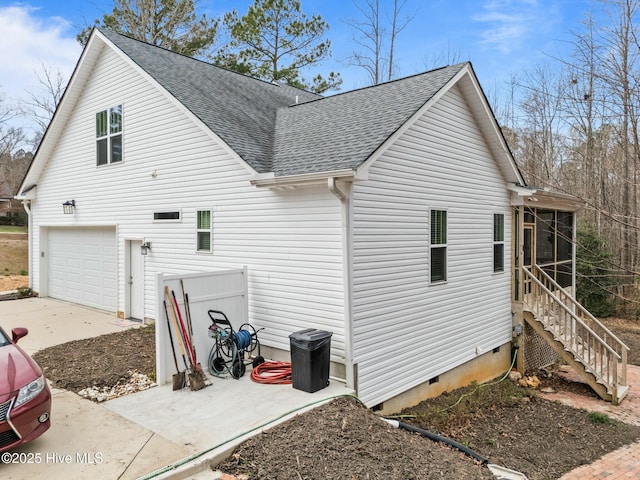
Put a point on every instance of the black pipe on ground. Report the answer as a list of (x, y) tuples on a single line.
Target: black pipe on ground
[(438, 438)]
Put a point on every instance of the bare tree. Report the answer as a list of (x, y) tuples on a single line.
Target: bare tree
[(397, 26), (541, 147), (41, 105), (377, 38), (11, 137), (619, 71)]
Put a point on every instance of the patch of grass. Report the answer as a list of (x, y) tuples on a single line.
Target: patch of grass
[(599, 417), (461, 406), (25, 292), (12, 229)]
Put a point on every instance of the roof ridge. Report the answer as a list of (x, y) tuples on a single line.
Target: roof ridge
[(388, 82), (213, 65)]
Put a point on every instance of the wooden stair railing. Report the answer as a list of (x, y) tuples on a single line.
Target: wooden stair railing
[(572, 329)]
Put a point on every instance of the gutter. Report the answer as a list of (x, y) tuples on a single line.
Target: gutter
[(544, 198), (270, 180)]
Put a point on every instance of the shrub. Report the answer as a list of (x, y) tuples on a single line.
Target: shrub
[(594, 276)]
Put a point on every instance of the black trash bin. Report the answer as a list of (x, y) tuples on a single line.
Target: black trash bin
[(310, 354)]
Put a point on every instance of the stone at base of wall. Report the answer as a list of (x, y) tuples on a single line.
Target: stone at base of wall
[(17, 294)]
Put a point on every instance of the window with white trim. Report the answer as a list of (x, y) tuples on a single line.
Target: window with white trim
[(109, 136), (498, 242), (204, 230), (438, 246)]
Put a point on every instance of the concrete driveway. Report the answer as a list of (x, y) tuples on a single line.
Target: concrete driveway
[(157, 433), (86, 440)]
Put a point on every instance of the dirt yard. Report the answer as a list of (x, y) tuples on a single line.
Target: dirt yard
[(13, 254), (13, 282), (510, 425), (14, 263)]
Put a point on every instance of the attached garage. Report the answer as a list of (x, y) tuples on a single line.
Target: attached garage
[(82, 266)]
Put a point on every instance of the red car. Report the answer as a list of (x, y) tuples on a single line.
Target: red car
[(25, 398)]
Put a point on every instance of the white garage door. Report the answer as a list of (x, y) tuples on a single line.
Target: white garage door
[(82, 266)]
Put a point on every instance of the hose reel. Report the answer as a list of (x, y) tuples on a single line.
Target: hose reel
[(231, 349)]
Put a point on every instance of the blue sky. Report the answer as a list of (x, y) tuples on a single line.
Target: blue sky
[(501, 37)]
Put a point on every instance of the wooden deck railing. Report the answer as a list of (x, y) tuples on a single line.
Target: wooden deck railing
[(591, 343)]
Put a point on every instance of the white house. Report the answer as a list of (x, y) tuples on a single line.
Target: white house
[(384, 214)]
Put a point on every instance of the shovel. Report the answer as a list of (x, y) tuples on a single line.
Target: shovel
[(196, 375), (178, 334), (179, 379)]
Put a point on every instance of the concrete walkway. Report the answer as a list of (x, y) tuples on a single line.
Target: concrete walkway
[(623, 463)]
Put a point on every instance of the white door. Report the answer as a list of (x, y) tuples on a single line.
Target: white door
[(136, 281), (82, 266)]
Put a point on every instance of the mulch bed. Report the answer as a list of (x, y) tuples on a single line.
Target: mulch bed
[(101, 361)]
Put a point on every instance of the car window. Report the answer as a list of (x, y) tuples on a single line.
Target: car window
[(4, 340)]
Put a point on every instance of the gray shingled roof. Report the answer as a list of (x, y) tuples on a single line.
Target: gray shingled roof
[(239, 109), (261, 122), (342, 131)]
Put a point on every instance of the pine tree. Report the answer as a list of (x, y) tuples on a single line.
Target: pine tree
[(275, 40)]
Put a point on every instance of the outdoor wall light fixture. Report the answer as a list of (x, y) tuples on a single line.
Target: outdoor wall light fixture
[(145, 247), (69, 206)]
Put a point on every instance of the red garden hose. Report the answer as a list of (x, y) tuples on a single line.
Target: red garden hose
[(274, 373)]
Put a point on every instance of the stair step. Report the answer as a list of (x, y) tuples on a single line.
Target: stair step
[(584, 367)]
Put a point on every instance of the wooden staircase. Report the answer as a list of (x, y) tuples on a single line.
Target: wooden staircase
[(596, 354)]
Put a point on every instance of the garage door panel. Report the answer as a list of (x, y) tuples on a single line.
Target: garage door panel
[(82, 266)]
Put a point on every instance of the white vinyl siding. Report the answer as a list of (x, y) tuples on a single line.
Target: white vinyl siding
[(291, 241), (406, 329)]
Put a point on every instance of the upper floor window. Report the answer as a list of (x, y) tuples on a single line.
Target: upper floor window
[(438, 248), (498, 242), (109, 135)]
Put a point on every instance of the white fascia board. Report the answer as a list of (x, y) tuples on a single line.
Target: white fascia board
[(28, 194), (544, 198), (501, 149), (179, 105), (271, 181), (63, 111), (363, 170)]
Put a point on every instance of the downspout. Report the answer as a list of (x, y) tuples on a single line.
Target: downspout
[(26, 204), (347, 275), (333, 188), (521, 290)]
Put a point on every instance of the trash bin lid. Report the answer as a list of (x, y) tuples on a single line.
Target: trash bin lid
[(310, 335)]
